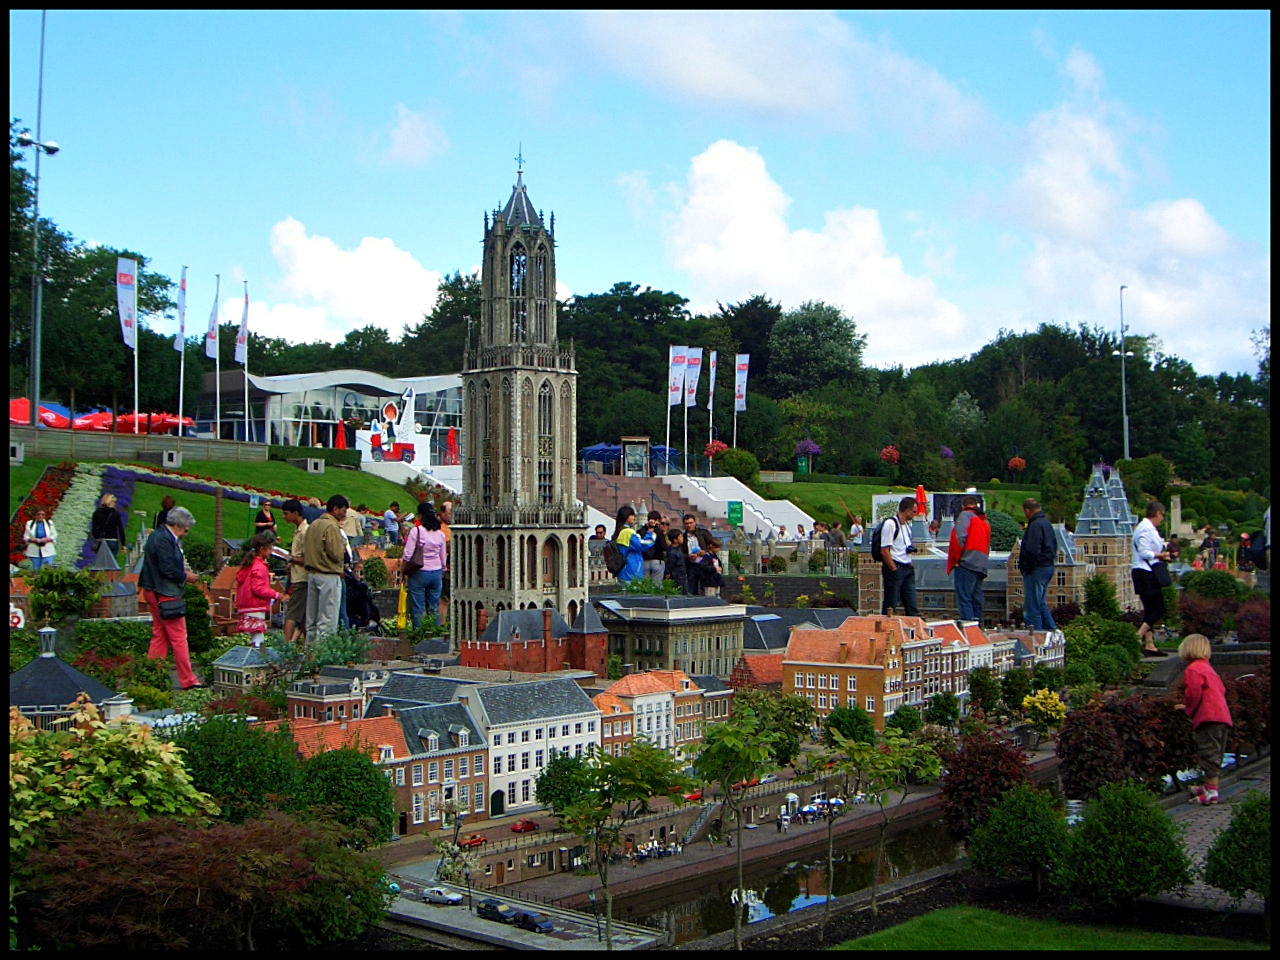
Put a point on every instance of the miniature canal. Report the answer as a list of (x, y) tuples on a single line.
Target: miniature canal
[(786, 883)]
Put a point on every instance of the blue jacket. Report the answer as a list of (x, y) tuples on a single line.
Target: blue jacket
[(633, 546), (1039, 544)]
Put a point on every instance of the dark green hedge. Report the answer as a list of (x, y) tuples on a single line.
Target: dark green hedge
[(337, 458)]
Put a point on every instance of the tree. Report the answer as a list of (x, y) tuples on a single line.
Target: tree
[(1005, 531), (906, 719), (882, 767), (751, 324), (812, 345), (853, 723), (984, 688), (789, 715), (737, 750), (436, 344), (1058, 492), (943, 709), (1014, 686), (628, 782), (240, 765), (352, 790), (1025, 833), (1100, 597), (563, 782), (89, 764)]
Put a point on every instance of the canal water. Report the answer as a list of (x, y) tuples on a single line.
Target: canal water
[(786, 883)]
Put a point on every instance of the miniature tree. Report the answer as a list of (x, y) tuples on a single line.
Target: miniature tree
[(1025, 833), (1240, 859)]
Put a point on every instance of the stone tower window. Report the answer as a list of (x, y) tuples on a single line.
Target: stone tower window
[(546, 447), (519, 305)]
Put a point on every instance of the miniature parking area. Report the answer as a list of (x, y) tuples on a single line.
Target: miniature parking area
[(572, 930)]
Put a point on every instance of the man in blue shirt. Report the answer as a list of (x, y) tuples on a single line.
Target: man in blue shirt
[(391, 523)]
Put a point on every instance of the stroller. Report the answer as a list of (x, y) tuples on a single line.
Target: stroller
[(361, 610)]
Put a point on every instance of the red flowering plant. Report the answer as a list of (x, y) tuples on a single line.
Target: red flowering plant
[(714, 449), (46, 496), (890, 454), (1016, 464)]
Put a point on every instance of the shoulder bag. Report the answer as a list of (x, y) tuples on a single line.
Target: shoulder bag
[(172, 608), (411, 565), (1160, 571)]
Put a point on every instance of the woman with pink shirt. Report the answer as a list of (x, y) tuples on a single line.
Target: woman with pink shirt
[(254, 594), (1205, 701), (425, 544)]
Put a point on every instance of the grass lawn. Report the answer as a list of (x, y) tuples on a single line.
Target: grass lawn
[(357, 486), (822, 500), (945, 930)]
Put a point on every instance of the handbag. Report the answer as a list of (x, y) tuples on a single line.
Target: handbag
[(1160, 571), (172, 608), (411, 565)]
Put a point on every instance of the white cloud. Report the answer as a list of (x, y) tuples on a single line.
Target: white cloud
[(732, 236), (329, 291), (415, 138)]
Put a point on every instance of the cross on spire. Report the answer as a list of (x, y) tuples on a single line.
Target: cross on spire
[(520, 158)]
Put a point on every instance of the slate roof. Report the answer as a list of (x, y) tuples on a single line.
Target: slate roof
[(420, 688), (651, 602), (1105, 511), (588, 621), (245, 657), (528, 622), (711, 684), (769, 628), (445, 720), (51, 681), (518, 209), (537, 700)]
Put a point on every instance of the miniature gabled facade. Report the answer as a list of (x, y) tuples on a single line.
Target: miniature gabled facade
[(519, 532)]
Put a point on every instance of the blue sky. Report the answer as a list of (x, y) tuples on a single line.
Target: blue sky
[(940, 176)]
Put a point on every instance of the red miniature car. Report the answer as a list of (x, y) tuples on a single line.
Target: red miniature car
[(475, 840), (696, 795), (746, 783), (524, 826)]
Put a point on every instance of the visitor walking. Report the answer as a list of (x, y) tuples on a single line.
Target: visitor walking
[(968, 555), (322, 555), (1035, 563), (162, 582), (1205, 701), (1148, 549), (898, 573), (391, 523)]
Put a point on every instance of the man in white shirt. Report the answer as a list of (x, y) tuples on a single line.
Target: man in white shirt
[(898, 574)]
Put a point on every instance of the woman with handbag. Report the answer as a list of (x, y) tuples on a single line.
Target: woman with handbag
[(423, 563), (163, 583), (1150, 572)]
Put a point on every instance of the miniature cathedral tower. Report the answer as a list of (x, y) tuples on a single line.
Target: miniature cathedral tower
[(519, 534)]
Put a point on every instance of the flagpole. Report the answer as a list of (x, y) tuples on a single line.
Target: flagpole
[(181, 344), (245, 365), (666, 457), (136, 338)]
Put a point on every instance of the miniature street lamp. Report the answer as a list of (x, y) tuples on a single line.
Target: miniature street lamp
[(466, 875), (591, 894)]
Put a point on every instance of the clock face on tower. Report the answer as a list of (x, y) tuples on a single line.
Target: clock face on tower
[(545, 446)]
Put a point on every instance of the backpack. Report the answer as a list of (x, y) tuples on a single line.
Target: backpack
[(613, 558), (1256, 552), (876, 546)]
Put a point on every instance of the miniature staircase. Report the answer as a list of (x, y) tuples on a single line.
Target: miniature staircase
[(609, 492)]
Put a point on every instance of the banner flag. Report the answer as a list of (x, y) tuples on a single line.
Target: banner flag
[(211, 338), (127, 300), (675, 376), (242, 338), (692, 373), (740, 381), (711, 384), (181, 339)]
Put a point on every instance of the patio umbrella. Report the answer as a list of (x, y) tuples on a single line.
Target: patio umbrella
[(451, 447), (100, 420), (836, 802), (808, 809), (340, 436), (20, 413), (922, 502)]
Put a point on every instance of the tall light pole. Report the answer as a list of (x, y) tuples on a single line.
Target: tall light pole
[(37, 284), (1122, 353)]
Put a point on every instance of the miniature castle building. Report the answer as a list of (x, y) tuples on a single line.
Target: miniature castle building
[(519, 531)]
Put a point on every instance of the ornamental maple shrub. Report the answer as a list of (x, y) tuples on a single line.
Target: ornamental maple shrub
[(1204, 614), (1090, 752), (1025, 834), (1253, 620), (1126, 848), (981, 771), (1155, 739), (1249, 700)]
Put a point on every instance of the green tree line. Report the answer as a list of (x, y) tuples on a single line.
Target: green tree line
[(1049, 397)]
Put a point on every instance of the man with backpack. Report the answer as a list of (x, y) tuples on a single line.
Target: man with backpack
[(892, 545)]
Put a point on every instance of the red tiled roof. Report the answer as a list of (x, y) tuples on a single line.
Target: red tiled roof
[(368, 735), (610, 706), (652, 681), (763, 668)]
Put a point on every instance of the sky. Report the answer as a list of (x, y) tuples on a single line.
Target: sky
[(940, 176)]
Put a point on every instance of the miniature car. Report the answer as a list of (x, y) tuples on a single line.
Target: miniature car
[(769, 778), (696, 795), (746, 783), (531, 920), (495, 910), (524, 826), (475, 840), (441, 895)]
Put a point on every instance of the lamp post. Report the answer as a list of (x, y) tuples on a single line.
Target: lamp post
[(37, 285), (466, 875), (1122, 353), (591, 894)]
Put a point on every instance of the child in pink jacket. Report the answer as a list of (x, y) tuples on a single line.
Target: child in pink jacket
[(1205, 700), (254, 594)]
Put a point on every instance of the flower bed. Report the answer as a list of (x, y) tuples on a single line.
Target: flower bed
[(46, 495)]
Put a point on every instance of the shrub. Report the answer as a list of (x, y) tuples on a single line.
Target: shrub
[(199, 553), (1253, 620), (905, 718), (352, 790), (1109, 668), (1005, 531), (1154, 738), (243, 766), (1090, 752), (1082, 694), (1203, 614), (943, 708), (1025, 834), (1122, 634), (59, 592), (1045, 710), (1082, 637), (1239, 861), (1213, 583), (1249, 699), (938, 737), (199, 623), (1126, 848), (375, 573), (148, 697), (984, 688), (1015, 685), (1076, 673), (1100, 597), (978, 774), (109, 638), (1064, 613), (394, 552), (24, 646), (818, 561), (1045, 677), (777, 564), (741, 464)]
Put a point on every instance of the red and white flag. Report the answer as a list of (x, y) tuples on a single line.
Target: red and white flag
[(211, 337), (711, 383), (127, 300), (692, 373), (242, 337), (740, 381), (675, 376), (180, 341)]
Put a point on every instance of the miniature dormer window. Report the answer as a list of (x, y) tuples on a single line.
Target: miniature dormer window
[(464, 739), (384, 754), (433, 742)]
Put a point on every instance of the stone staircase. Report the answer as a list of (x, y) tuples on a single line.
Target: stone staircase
[(607, 492)]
